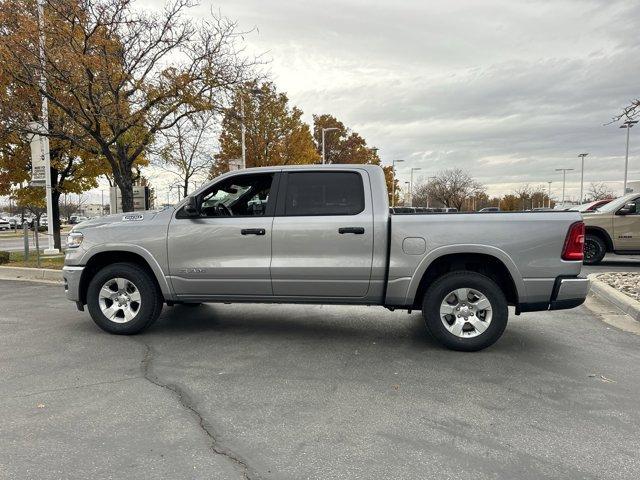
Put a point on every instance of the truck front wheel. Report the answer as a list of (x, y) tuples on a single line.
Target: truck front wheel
[(465, 311), (122, 298), (594, 249)]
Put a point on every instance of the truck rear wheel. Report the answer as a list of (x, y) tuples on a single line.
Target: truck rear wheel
[(123, 299), (465, 311)]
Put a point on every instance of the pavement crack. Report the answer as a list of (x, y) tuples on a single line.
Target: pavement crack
[(187, 403)]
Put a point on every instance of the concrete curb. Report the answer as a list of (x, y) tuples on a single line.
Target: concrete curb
[(45, 275), (624, 302)]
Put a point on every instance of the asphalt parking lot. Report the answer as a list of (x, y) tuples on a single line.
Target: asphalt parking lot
[(296, 392)]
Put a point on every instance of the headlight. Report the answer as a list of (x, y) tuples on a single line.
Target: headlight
[(74, 239)]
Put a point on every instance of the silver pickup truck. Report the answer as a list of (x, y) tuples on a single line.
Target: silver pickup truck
[(324, 235)]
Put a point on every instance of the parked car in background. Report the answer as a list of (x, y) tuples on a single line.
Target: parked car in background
[(489, 209), (75, 219), (591, 206), (5, 224), (613, 228), (325, 236), (397, 210)]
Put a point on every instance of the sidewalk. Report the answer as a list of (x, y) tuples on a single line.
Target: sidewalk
[(624, 302)]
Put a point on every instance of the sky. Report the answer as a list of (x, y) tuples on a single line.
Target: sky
[(508, 90)]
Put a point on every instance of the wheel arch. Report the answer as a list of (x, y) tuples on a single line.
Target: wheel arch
[(101, 259), (480, 262), (602, 233)]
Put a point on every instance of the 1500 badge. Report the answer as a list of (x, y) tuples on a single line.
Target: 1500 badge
[(134, 217), (192, 270)]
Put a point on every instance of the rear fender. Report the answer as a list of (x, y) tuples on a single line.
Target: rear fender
[(433, 255)]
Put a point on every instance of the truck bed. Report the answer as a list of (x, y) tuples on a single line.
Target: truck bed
[(528, 243)]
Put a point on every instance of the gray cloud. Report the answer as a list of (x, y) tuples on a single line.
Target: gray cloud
[(507, 89)]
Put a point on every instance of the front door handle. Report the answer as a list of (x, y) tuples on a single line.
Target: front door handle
[(252, 231), (354, 230)]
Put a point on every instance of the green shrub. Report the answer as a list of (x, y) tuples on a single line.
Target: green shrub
[(4, 257)]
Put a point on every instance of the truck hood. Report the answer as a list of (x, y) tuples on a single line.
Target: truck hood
[(118, 218)]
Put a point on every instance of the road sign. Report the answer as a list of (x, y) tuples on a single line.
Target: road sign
[(140, 199), (38, 165)]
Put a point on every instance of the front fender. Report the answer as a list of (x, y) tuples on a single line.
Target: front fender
[(156, 268)]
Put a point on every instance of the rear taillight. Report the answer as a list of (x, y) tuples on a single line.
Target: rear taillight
[(574, 243)]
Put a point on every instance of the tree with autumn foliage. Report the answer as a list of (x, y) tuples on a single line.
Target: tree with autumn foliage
[(275, 133), (72, 170), (511, 203), (120, 74)]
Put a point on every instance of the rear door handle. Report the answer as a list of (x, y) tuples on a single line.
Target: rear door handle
[(355, 230), (252, 231)]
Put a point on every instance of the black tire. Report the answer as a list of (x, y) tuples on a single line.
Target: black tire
[(594, 249), (149, 307), (442, 288)]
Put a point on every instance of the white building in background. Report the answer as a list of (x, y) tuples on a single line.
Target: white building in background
[(141, 199), (235, 164), (91, 210), (633, 186)]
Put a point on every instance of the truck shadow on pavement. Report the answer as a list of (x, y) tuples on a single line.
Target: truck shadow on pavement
[(350, 326)]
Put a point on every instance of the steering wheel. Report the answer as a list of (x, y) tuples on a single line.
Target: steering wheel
[(226, 211)]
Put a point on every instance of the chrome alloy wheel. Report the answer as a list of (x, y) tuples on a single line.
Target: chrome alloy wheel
[(119, 300), (466, 312)]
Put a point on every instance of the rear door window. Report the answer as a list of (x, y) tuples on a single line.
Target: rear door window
[(324, 193)]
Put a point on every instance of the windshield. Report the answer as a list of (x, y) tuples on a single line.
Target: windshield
[(614, 205)]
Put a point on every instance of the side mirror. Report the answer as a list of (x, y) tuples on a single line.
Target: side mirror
[(628, 209), (191, 208)]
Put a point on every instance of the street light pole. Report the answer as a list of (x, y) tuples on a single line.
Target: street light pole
[(44, 137), (393, 182), (564, 179), (628, 124), (582, 155), (243, 126), (324, 158), (411, 186), (244, 134)]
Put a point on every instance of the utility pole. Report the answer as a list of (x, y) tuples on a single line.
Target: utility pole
[(44, 137), (324, 158), (582, 155), (564, 179), (549, 194), (393, 182), (628, 124)]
